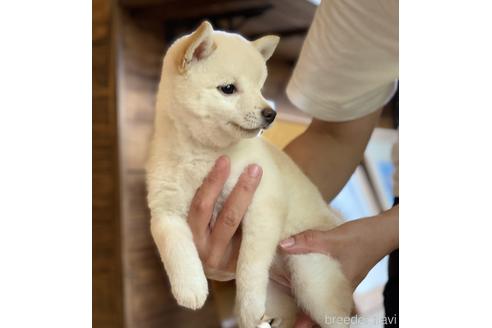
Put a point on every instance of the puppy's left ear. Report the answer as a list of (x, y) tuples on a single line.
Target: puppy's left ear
[(266, 45), (200, 46)]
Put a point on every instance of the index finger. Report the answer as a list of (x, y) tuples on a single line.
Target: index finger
[(203, 202), (233, 211)]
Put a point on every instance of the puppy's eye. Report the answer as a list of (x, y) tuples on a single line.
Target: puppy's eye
[(227, 89)]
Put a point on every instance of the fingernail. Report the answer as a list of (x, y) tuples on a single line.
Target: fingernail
[(221, 162), (289, 242), (254, 170)]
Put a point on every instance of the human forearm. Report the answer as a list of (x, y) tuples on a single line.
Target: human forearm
[(377, 237), (324, 160), (329, 152), (385, 231)]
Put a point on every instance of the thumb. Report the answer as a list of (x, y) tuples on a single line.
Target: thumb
[(309, 241)]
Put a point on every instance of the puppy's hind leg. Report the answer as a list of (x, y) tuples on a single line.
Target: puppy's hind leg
[(321, 289)]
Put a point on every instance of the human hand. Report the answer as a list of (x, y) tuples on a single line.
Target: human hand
[(218, 246), (358, 245)]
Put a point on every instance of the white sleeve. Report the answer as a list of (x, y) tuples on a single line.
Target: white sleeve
[(348, 66)]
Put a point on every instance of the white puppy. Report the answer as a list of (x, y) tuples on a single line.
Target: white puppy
[(209, 103)]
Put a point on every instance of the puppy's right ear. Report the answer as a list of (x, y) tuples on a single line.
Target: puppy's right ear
[(200, 46)]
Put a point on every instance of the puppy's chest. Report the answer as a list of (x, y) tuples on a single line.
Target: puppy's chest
[(193, 172), (228, 188), (192, 176)]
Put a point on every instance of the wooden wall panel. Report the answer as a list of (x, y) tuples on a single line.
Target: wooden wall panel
[(107, 294)]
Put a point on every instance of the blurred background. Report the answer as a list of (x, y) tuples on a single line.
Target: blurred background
[(129, 38)]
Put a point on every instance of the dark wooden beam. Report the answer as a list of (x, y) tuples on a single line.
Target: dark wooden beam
[(107, 290)]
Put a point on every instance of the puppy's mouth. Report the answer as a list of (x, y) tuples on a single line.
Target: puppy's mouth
[(246, 130)]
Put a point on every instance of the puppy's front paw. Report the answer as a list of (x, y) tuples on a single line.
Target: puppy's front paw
[(267, 322), (191, 293), (271, 322), (251, 313)]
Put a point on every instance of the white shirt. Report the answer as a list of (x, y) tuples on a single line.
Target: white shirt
[(348, 66)]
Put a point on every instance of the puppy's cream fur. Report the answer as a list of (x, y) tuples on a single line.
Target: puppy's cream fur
[(194, 124)]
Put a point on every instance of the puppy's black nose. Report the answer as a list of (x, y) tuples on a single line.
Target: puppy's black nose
[(268, 114)]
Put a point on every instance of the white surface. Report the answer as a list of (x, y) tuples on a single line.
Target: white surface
[(348, 66)]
